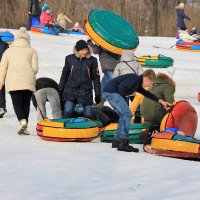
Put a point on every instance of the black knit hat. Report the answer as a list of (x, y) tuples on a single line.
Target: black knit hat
[(81, 44)]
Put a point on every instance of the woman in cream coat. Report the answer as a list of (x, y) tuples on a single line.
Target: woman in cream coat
[(18, 68)]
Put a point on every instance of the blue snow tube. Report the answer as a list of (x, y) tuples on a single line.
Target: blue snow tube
[(7, 37), (43, 29)]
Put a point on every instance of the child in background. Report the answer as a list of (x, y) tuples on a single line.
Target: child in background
[(47, 20), (77, 28), (62, 19)]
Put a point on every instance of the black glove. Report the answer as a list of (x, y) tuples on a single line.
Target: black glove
[(97, 99)]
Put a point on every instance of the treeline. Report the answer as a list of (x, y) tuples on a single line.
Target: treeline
[(148, 17)]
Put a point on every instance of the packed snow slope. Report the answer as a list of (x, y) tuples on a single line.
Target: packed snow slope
[(34, 169)]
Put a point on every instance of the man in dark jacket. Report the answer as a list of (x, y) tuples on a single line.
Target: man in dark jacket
[(3, 47), (108, 61), (79, 76), (47, 90), (180, 17), (34, 10), (116, 91)]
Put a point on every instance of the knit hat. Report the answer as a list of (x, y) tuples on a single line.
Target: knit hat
[(23, 34), (81, 44), (45, 8)]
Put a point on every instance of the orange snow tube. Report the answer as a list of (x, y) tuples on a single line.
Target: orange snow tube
[(182, 116)]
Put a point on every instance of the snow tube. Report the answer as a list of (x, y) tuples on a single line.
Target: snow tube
[(110, 31), (159, 61), (174, 145), (35, 21), (188, 46), (7, 37), (135, 137), (43, 29), (67, 130), (182, 116)]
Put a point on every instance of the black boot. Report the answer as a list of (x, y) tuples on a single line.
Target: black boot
[(124, 146), (115, 144)]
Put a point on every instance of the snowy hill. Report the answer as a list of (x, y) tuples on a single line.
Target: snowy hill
[(34, 169)]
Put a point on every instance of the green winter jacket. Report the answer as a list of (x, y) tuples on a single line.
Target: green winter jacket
[(163, 88)]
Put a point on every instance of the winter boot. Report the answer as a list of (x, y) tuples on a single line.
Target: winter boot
[(124, 146), (22, 127), (115, 144), (2, 112)]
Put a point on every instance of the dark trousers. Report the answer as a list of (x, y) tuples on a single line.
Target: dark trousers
[(2, 98), (21, 102)]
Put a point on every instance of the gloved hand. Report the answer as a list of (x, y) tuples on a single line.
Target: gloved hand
[(97, 99)]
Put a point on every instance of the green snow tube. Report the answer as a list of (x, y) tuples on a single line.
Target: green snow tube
[(159, 61), (135, 137), (110, 31)]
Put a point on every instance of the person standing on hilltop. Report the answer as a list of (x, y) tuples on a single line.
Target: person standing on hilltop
[(34, 10), (180, 17)]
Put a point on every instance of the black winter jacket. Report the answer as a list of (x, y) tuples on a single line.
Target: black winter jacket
[(34, 8), (79, 78), (3, 47), (128, 84)]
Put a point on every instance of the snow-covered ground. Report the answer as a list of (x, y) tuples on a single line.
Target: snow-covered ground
[(34, 169)]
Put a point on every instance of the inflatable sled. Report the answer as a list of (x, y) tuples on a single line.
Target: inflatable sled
[(43, 29), (7, 37), (182, 116), (174, 145), (159, 61), (198, 97), (188, 46), (67, 130), (110, 31), (135, 136)]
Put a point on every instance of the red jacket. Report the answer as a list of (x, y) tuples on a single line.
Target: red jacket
[(45, 18)]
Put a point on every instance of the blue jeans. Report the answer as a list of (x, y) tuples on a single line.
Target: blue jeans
[(108, 75), (125, 115), (69, 110)]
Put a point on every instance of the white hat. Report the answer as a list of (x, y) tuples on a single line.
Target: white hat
[(23, 34)]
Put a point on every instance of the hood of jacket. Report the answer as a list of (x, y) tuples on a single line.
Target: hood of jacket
[(20, 42), (75, 52), (127, 57), (162, 78)]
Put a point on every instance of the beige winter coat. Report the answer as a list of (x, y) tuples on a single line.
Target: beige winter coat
[(127, 65), (62, 20), (18, 66)]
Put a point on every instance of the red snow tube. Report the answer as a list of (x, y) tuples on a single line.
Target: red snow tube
[(182, 116)]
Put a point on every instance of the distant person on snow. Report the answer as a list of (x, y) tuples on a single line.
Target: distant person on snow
[(180, 17), (62, 19), (34, 10), (186, 37), (47, 20), (77, 28), (79, 77), (47, 90), (3, 47), (18, 67)]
